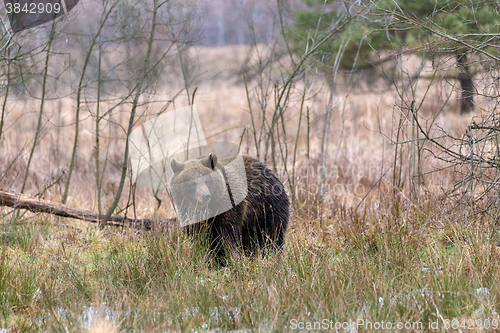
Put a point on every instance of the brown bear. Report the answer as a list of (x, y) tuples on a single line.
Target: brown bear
[(237, 206)]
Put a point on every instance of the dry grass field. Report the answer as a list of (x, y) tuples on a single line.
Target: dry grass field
[(374, 249)]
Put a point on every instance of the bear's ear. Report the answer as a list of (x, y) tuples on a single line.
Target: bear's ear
[(210, 161), (176, 166)]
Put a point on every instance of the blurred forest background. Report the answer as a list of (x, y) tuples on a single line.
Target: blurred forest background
[(346, 101)]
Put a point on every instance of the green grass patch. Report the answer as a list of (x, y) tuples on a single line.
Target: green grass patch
[(55, 278)]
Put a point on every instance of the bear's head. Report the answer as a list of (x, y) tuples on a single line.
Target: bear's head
[(194, 182)]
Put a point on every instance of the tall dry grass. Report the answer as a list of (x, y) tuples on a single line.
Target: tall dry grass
[(369, 248)]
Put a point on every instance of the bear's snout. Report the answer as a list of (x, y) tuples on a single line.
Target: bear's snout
[(202, 193), (205, 198)]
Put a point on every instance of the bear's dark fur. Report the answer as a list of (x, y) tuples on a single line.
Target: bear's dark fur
[(255, 225)]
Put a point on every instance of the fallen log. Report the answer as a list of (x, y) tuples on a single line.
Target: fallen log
[(37, 206)]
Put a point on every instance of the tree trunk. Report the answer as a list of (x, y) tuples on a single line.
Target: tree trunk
[(466, 85), (37, 206)]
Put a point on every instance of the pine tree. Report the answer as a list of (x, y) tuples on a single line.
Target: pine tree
[(457, 28)]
